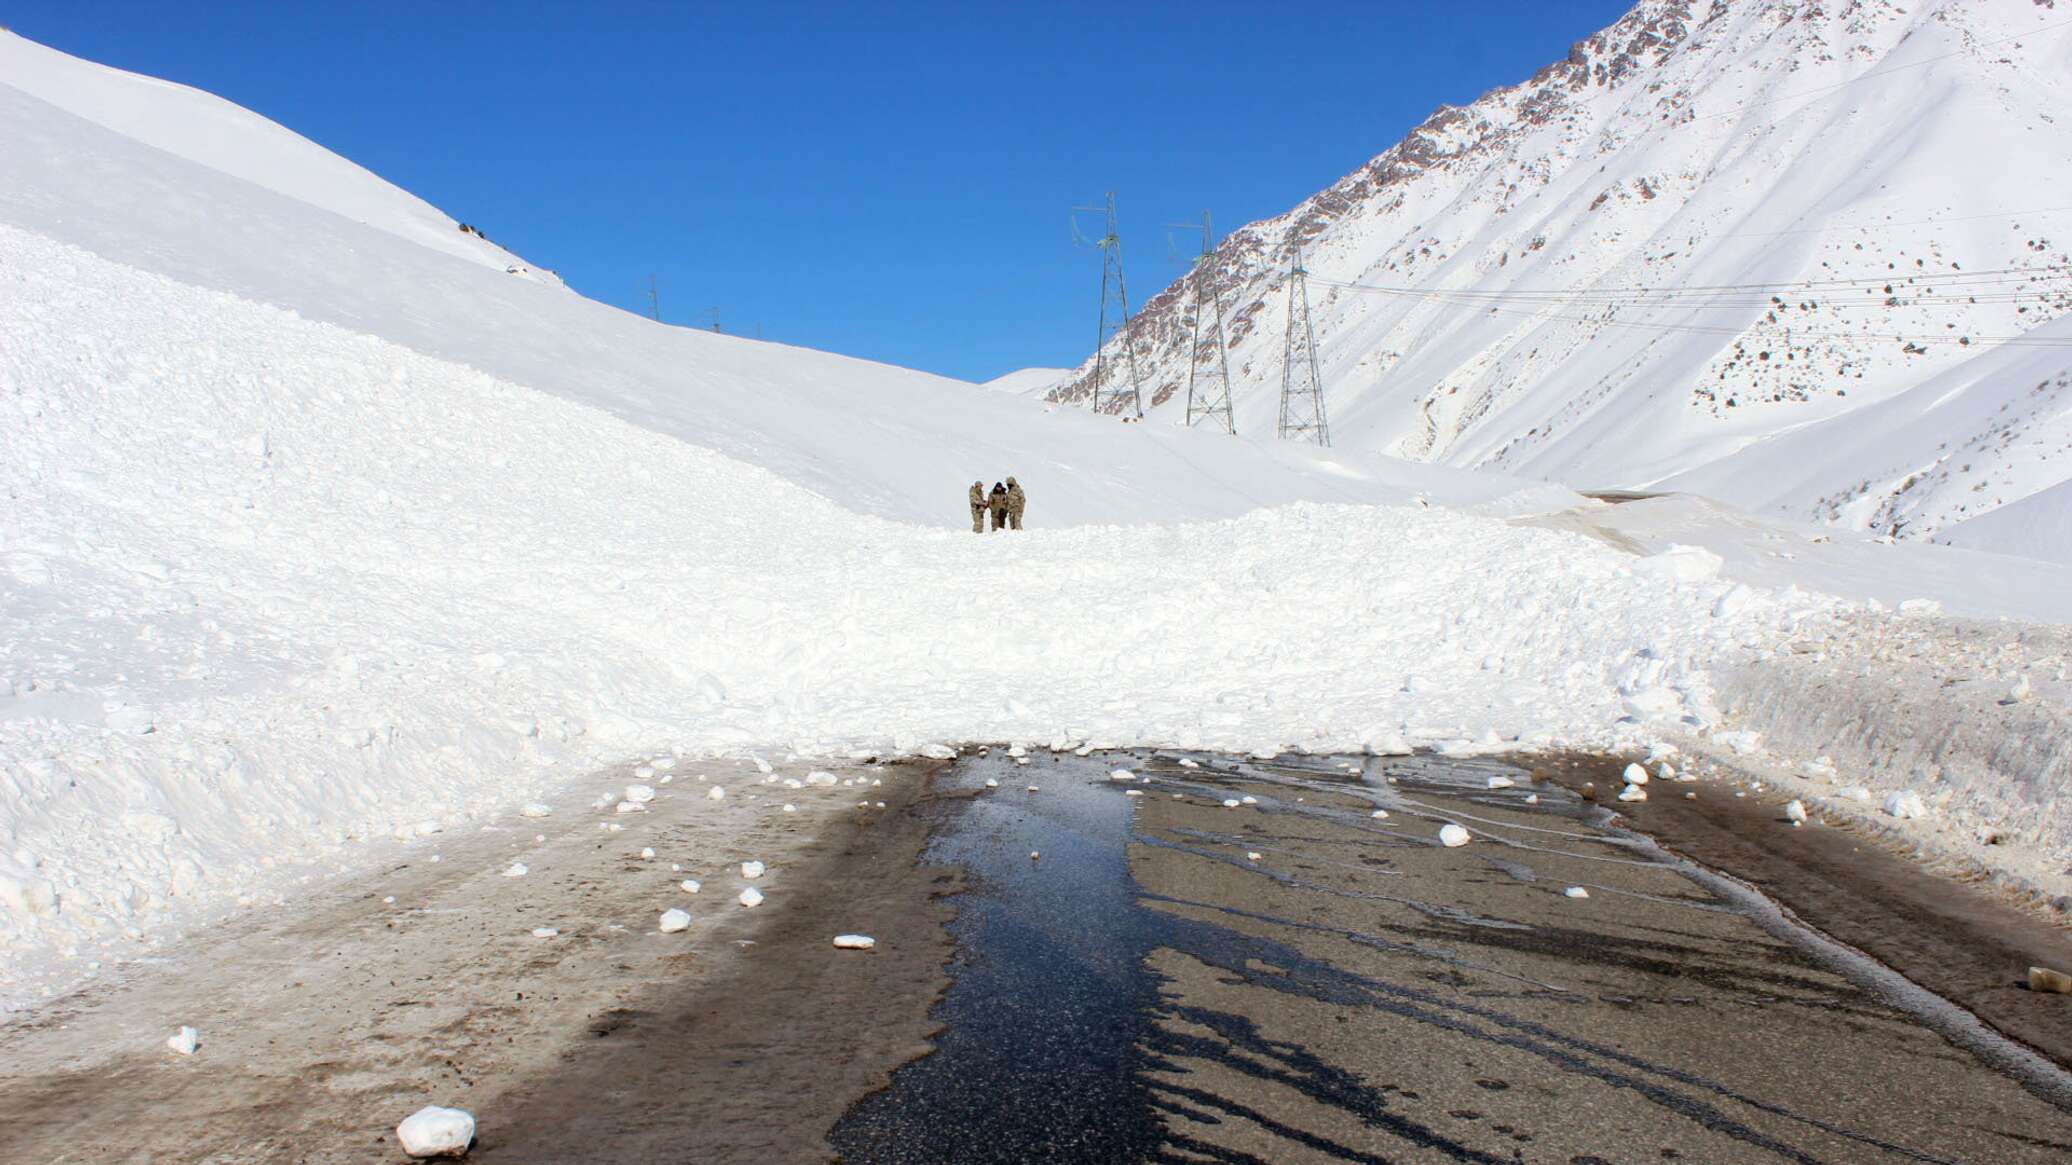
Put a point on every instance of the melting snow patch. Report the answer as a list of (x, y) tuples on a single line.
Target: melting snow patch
[(433, 1131), (822, 779)]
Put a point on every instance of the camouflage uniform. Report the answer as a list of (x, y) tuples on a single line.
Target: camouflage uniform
[(978, 507), (1017, 501), (998, 501)]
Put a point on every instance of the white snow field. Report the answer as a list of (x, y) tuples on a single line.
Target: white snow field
[(320, 539), (1795, 255)]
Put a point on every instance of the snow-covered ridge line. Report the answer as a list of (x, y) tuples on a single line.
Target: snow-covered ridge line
[(1881, 183), (278, 593), (229, 138)]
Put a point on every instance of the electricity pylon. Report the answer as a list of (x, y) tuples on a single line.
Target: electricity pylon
[(1302, 392), (1124, 397), (1208, 393)]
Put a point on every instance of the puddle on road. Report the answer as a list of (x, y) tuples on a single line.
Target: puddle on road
[(1294, 979)]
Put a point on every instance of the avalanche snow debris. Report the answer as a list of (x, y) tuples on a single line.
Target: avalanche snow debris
[(1451, 835), (673, 920), (433, 1131)]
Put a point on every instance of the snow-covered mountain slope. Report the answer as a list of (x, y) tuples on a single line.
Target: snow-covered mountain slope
[(823, 420), (208, 130), (1028, 381), (1717, 228), (315, 537)]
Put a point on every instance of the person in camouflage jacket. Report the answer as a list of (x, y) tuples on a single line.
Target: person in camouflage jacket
[(1017, 501), (978, 507)]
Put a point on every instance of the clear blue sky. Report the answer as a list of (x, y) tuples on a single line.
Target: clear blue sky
[(890, 180)]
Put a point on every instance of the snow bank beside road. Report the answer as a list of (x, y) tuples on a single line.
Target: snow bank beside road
[(277, 592)]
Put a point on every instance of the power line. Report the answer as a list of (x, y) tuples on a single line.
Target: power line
[(1114, 322), (1208, 394), (1302, 391)]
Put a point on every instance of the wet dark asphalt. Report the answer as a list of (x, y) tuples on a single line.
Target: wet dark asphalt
[(1148, 991)]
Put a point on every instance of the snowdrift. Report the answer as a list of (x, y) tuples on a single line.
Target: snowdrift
[(324, 534)]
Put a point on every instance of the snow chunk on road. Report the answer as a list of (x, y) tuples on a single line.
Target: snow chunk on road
[(545, 932), (716, 793), (1576, 892), (1451, 835), (1906, 805), (691, 885), (534, 809), (674, 920), (751, 897), (1636, 775), (185, 1041), (433, 1131), (1633, 793), (1122, 775), (640, 794), (752, 869), (1795, 812), (822, 779), (516, 870), (1501, 782), (938, 752), (855, 942), (630, 807)]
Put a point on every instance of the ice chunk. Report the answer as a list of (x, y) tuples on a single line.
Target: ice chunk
[(822, 779), (640, 793), (647, 853), (716, 793), (433, 1131), (752, 869), (1232, 803), (751, 897), (630, 807), (534, 809), (544, 932), (1379, 814), (1906, 804), (1633, 793), (1576, 892), (185, 1041), (1636, 775), (1249, 800), (1251, 855), (1501, 782), (855, 942), (1122, 775), (516, 870), (1451, 835), (1133, 792), (791, 808), (1188, 764), (992, 783), (938, 752), (1795, 812), (690, 885), (674, 920)]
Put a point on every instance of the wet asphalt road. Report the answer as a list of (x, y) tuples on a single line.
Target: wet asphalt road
[(1149, 990)]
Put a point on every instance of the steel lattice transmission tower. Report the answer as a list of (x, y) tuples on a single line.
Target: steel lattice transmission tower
[(1208, 373), (1124, 397), (1302, 392)]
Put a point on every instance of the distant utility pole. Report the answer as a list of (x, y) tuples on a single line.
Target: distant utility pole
[(1208, 392), (1115, 321), (1302, 392), (654, 300)]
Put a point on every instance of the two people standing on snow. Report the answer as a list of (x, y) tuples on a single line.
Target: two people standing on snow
[(1005, 503)]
